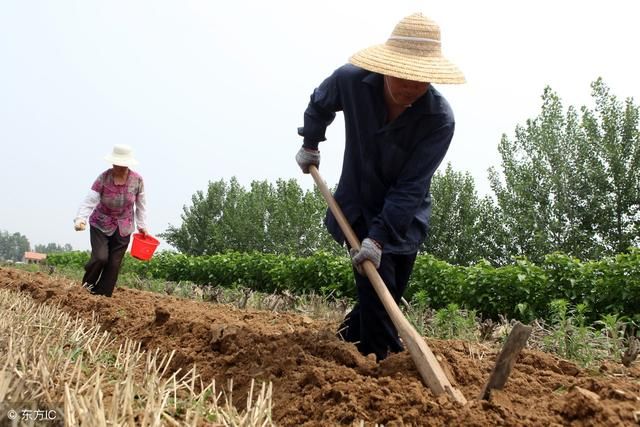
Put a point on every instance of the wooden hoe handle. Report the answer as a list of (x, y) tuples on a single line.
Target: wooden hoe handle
[(426, 363)]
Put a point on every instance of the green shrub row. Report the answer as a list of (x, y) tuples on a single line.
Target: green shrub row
[(522, 290), (324, 273)]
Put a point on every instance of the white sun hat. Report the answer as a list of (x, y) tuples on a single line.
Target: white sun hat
[(412, 52), (122, 155)]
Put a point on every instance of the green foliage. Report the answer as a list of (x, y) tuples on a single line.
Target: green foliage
[(321, 273), (69, 259), (614, 328), (570, 181), (463, 228), (452, 323), (570, 337), (435, 283), (495, 291), (13, 246), (522, 290), (279, 219)]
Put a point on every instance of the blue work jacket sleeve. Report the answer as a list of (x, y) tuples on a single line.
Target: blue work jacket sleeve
[(321, 111), (408, 194)]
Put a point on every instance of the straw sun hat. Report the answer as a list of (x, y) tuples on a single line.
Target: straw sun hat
[(412, 52), (122, 155)]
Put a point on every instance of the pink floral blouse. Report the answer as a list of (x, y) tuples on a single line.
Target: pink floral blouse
[(115, 209)]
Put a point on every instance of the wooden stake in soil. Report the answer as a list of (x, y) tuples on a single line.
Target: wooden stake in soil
[(426, 363), (506, 359)]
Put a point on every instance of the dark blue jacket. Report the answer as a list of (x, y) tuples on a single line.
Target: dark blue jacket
[(387, 168)]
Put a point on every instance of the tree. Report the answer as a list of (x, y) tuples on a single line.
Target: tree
[(13, 246), (295, 220), (266, 218), (613, 134), (53, 247), (199, 233), (570, 183), (464, 228)]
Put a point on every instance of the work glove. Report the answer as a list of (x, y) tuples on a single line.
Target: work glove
[(306, 157), (369, 250), (79, 224)]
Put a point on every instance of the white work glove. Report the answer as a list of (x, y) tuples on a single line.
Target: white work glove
[(79, 224), (306, 157), (369, 250)]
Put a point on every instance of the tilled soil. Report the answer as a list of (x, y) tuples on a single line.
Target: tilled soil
[(319, 380)]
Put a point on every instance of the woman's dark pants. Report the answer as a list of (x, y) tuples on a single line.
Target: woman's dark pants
[(107, 252)]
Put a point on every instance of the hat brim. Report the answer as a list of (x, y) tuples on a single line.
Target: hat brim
[(392, 62), (121, 161)]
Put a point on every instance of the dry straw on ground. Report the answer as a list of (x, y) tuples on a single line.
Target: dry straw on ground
[(56, 363)]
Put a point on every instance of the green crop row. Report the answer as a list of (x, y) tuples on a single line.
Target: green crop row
[(522, 290), (323, 273)]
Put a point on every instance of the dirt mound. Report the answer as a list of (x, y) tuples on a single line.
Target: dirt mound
[(320, 380)]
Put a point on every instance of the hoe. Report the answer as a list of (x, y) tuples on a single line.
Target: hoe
[(426, 363)]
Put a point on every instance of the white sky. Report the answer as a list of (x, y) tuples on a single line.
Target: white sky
[(205, 90)]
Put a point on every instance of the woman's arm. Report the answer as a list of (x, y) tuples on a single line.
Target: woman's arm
[(141, 210), (86, 207)]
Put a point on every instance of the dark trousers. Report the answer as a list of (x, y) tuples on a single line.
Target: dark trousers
[(107, 252), (368, 325)]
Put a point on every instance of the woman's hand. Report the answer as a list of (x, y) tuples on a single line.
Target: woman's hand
[(79, 224)]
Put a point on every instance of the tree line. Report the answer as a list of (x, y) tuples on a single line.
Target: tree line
[(569, 181), (14, 245), (273, 218)]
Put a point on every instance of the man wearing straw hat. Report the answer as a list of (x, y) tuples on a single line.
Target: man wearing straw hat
[(398, 129)]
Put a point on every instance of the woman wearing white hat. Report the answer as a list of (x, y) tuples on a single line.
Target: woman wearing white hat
[(398, 129), (109, 206)]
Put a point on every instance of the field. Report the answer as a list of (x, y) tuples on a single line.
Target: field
[(319, 380)]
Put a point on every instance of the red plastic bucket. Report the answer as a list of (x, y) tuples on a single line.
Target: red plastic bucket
[(143, 246)]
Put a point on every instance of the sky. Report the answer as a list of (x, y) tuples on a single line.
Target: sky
[(205, 90)]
